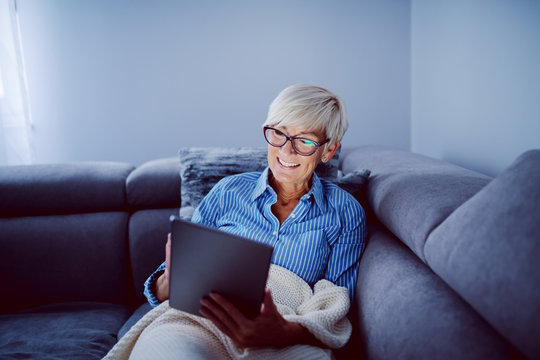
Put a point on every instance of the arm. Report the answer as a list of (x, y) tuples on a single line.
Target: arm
[(156, 287), (162, 283), (343, 263)]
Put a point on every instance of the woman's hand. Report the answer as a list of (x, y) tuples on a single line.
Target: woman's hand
[(269, 328), (162, 283)]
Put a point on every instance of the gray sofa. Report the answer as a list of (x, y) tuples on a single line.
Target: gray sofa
[(449, 272)]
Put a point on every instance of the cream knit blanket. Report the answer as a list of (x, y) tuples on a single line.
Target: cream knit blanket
[(322, 311)]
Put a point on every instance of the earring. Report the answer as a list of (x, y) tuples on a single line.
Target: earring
[(324, 160)]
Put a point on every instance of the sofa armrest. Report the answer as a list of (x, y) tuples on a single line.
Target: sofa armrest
[(409, 193)]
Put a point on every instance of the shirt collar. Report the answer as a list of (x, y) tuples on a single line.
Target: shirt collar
[(316, 190), (261, 185)]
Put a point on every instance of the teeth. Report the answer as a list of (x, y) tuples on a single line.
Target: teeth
[(287, 164)]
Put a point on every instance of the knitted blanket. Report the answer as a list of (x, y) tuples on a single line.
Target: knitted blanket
[(322, 311)]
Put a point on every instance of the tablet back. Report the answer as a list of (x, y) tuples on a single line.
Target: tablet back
[(205, 260)]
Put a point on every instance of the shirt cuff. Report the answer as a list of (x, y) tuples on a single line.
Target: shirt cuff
[(149, 286)]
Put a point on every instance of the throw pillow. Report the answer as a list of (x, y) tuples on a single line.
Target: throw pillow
[(201, 168), (353, 182)]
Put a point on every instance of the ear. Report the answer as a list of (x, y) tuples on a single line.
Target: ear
[(330, 152)]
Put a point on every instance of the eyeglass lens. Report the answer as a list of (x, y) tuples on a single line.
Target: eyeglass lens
[(301, 145)]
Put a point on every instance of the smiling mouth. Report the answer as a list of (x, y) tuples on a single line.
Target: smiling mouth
[(286, 164)]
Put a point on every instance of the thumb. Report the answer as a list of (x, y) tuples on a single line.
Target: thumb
[(168, 254), (268, 303)]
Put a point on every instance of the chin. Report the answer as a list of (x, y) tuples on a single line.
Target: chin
[(282, 176)]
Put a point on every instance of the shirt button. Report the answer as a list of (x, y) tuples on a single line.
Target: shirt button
[(293, 216), (274, 233)]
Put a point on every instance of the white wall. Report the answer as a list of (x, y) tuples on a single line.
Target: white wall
[(475, 80), (134, 80)]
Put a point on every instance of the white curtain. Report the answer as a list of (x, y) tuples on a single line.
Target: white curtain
[(15, 118)]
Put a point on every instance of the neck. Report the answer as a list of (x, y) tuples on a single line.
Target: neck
[(287, 193)]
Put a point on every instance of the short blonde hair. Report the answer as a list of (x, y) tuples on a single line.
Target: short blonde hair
[(311, 107)]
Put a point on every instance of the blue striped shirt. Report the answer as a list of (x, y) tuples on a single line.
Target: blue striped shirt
[(322, 238)]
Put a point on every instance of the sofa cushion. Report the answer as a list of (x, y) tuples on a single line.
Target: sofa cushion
[(406, 312), (62, 188), (61, 331), (488, 250), (51, 259), (155, 184), (412, 194), (136, 316), (202, 168)]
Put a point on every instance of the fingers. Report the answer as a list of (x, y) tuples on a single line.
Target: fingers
[(268, 306), (229, 308), (267, 329), (204, 311), (215, 308), (168, 254)]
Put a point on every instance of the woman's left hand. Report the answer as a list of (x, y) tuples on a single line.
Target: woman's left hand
[(269, 328)]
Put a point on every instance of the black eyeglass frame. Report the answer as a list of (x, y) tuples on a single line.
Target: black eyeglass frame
[(291, 138)]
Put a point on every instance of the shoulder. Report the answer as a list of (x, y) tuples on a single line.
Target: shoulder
[(238, 183), (230, 191), (239, 180)]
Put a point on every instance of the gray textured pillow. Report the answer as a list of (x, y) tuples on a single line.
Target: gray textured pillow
[(201, 168)]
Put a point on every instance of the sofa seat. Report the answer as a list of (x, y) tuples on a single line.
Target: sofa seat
[(78, 330)]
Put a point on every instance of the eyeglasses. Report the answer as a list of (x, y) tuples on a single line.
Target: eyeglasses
[(302, 146)]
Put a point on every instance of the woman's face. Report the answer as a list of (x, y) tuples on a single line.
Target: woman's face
[(290, 168)]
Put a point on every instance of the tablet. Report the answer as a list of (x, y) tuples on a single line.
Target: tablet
[(205, 260)]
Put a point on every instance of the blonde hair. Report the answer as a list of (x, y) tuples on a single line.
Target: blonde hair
[(311, 107)]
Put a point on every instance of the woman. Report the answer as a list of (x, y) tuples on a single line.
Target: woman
[(316, 228)]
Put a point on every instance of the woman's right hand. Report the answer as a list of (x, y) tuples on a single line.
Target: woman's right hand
[(162, 283)]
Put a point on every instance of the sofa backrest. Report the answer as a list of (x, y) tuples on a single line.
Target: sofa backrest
[(63, 232), (63, 188)]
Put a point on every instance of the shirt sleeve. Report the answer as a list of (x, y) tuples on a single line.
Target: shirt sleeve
[(149, 285), (344, 259)]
